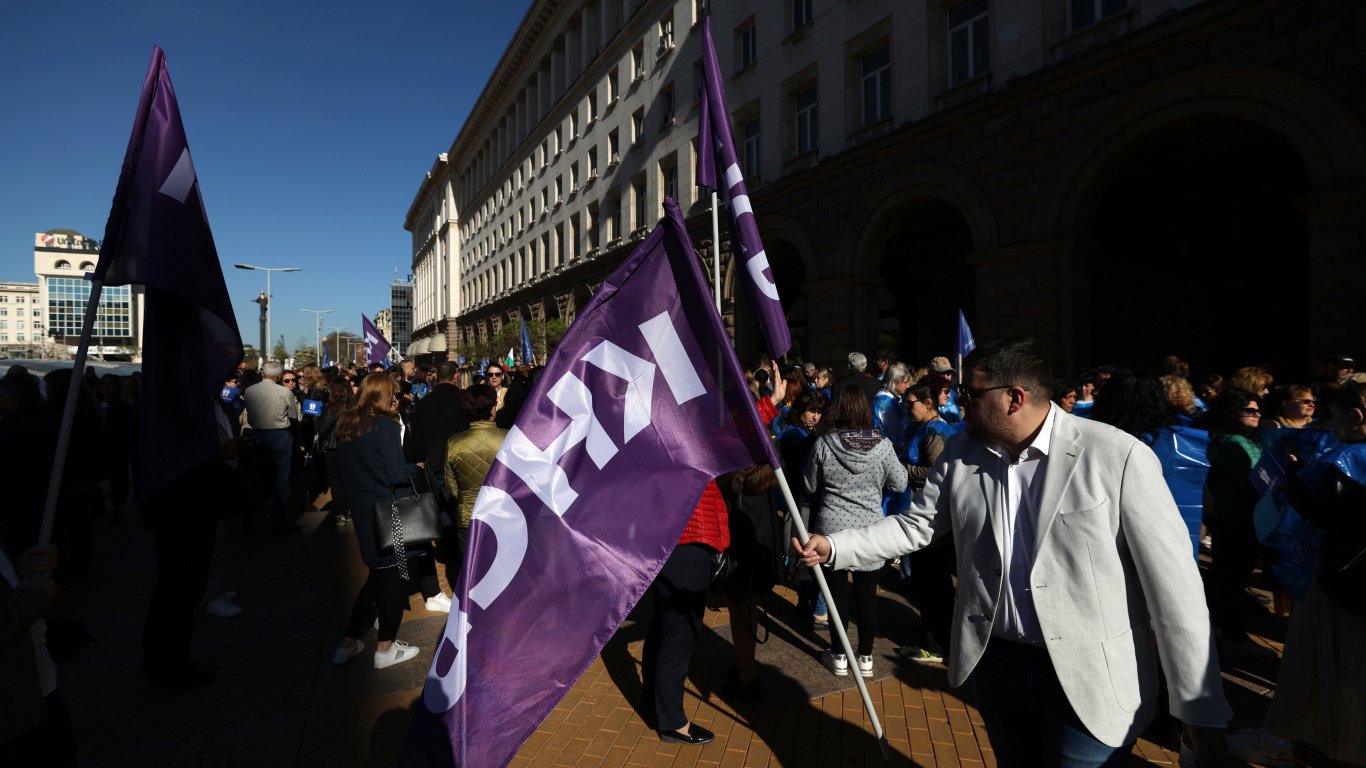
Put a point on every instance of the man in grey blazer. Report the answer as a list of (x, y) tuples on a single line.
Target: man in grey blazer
[(1074, 574)]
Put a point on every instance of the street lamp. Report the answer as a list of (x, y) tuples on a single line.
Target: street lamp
[(318, 332), (265, 353)]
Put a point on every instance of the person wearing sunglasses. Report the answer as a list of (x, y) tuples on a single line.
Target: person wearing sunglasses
[(1233, 451), (1296, 407), (1075, 577)]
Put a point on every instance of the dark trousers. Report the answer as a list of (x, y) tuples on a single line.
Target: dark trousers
[(680, 597), (273, 456), (383, 591), (1028, 718), (863, 608), (932, 585), (1233, 557), (184, 533)]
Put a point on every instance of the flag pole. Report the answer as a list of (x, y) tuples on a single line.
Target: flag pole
[(835, 623), (54, 483), (716, 253)]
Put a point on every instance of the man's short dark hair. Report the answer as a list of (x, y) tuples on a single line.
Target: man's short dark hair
[(447, 370), (1017, 362)]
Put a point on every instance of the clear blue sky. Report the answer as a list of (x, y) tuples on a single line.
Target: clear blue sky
[(311, 126)]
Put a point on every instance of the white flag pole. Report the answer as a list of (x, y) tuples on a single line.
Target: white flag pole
[(54, 483), (835, 623)]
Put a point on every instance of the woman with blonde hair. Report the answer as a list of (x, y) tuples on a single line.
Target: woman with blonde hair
[(371, 456), (1181, 398)]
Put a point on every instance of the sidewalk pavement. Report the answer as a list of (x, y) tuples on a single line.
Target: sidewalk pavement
[(279, 701)]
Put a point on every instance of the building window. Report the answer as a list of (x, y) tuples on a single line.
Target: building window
[(638, 63), (19, 299), (638, 126), (573, 126), (559, 189), (612, 87), (63, 264), (613, 148), (801, 13), (20, 337), (670, 174), (969, 50), (875, 85), (592, 106), (573, 178), (3, 312), (593, 241), (751, 149), (806, 129), (19, 325), (666, 34), (747, 47), (1083, 13), (614, 218), (592, 163), (5, 299), (666, 107), (638, 198)]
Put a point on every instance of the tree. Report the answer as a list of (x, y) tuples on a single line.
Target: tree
[(304, 352), (279, 353), (545, 335)]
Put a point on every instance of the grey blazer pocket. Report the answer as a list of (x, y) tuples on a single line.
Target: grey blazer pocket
[(1121, 658), (1089, 507)]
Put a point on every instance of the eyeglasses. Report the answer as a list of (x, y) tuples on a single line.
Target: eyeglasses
[(495, 374), (968, 394), (1252, 412), (1305, 402), (290, 380)]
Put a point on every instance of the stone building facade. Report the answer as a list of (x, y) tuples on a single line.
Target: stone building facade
[(1119, 180)]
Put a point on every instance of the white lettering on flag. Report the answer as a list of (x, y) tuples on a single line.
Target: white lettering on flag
[(541, 472), (181, 178), (756, 266)]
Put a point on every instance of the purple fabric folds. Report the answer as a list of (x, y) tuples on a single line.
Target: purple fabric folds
[(640, 405), (158, 236), (718, 167), (376, 346)]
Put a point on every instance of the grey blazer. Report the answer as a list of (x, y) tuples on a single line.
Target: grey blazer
[(1113, 581)]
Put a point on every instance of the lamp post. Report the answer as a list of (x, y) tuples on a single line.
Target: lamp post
[(265, 353), (318, 332)]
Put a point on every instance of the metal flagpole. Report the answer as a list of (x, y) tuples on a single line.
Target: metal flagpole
[(54, 483), (835, 623), (716, 253)]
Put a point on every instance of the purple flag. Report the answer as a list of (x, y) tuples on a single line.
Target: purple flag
[(158, 235), (640, 406), (716, 159), (376, 346)]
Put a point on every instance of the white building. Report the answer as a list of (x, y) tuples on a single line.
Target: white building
[(21, 321), (61, 260), (907, 160)]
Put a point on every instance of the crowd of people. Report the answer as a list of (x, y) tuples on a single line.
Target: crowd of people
[(951, 478)]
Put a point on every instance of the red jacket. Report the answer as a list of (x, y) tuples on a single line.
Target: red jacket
[(709, 524)]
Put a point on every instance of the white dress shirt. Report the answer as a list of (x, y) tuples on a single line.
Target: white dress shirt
[(1021, 489)]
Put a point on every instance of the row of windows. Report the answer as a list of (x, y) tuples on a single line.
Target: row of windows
[(17, 299), (67, 298)]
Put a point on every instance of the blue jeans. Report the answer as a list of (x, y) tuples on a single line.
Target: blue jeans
[(1028, 718)]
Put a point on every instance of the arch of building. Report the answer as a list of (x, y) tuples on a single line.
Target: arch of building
[(884, 298), (1318, 147)]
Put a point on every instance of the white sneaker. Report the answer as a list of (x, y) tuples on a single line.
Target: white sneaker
[(835, 662), (438, 603), (1261, 747), (398, 653), (865, 665), (344, 654), (222, 607)]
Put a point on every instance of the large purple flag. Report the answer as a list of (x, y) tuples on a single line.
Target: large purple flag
[(376, 346), (158, 235), (717, 159), (641, 404)]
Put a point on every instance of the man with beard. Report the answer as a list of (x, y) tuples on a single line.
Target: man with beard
[(1074, 574)]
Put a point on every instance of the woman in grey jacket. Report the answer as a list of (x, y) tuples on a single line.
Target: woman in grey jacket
[(850, 466)]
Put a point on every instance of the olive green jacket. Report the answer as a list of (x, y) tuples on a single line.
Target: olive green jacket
[(469, 457)]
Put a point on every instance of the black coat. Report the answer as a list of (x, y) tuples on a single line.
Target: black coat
[(436, 418)]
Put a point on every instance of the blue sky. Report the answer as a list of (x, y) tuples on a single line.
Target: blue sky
[(311, 126)]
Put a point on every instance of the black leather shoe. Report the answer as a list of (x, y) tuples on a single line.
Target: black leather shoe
[(696, 735)]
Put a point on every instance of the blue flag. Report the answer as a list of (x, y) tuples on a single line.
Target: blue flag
[(965, 341), (327, 356), (528, 354), (158, 236)]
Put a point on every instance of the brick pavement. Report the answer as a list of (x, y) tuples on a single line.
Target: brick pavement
[(278, 701)]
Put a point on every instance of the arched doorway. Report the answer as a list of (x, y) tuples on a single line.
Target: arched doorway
[(1200, 251), (925, 279)]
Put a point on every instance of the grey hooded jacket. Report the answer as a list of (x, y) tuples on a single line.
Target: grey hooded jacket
[(848, 471)]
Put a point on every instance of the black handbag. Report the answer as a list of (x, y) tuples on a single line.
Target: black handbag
[(404, 520)]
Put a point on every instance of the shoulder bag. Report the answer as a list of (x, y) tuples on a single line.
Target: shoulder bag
[(406, 519)]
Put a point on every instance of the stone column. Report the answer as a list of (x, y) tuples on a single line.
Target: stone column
[(1336, 223)]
